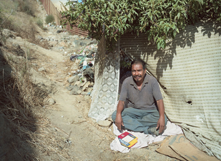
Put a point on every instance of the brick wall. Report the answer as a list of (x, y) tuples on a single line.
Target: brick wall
[(76, 31)]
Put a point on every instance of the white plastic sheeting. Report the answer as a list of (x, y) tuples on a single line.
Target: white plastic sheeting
[(189, 72), (105, 91)]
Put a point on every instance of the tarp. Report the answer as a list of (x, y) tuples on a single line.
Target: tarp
[(189, 73), (105, 90)]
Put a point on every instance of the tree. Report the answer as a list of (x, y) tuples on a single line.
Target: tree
[(158, 19)]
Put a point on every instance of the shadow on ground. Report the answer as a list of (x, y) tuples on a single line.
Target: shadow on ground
[(16, 120)]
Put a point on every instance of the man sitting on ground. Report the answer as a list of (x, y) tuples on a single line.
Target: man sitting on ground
[(143, 93)]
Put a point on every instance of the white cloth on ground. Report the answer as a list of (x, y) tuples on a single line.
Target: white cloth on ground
[(143, 139)]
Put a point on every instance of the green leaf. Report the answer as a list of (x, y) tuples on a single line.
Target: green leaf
[(158, 46), (200, 1), (158, 19), (178, 15), (174, 33), (125, 19)]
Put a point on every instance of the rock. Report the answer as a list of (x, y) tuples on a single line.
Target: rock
[(76, 37), (91, 84), (8, 33), (89, 90), (42, 82), (110, 119), (39, 37), (69, 88), (75, 88), (59, 31), (104, 123), (94, 49), (75, 92), (41, 69), (85, 93), (85, 86), (73, 79), (51, 101), (83, 44), (93, 42), (82, 37), (78, 83), (63, 44), (75, 43), (52, 43), (15, 48), (79, 91), (61, 47)]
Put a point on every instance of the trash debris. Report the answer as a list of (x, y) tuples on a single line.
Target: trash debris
[(82, 74), (81, 51), (89, 74)]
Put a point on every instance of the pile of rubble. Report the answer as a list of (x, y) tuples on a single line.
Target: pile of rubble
[(81, 51), (81, 78)]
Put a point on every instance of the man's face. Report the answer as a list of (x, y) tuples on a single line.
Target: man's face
[(138, 72)]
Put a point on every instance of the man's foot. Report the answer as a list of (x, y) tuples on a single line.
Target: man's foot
[(153, 131)]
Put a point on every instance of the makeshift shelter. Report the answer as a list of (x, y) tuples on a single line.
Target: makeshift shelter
[(189, 73)]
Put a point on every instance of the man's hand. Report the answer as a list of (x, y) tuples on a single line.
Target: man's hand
[(119, 121), (161, 124), (161, 121)]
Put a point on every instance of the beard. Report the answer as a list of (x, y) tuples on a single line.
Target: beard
[(137, 78)]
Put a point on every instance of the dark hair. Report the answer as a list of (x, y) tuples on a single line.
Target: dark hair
[(139, 61)]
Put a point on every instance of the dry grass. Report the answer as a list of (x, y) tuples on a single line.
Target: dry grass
[(20, 17), (16, 104), (31, 135), (21, 105)]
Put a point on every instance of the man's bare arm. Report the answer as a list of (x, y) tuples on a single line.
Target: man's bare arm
[(119, 120), (161, 121)]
